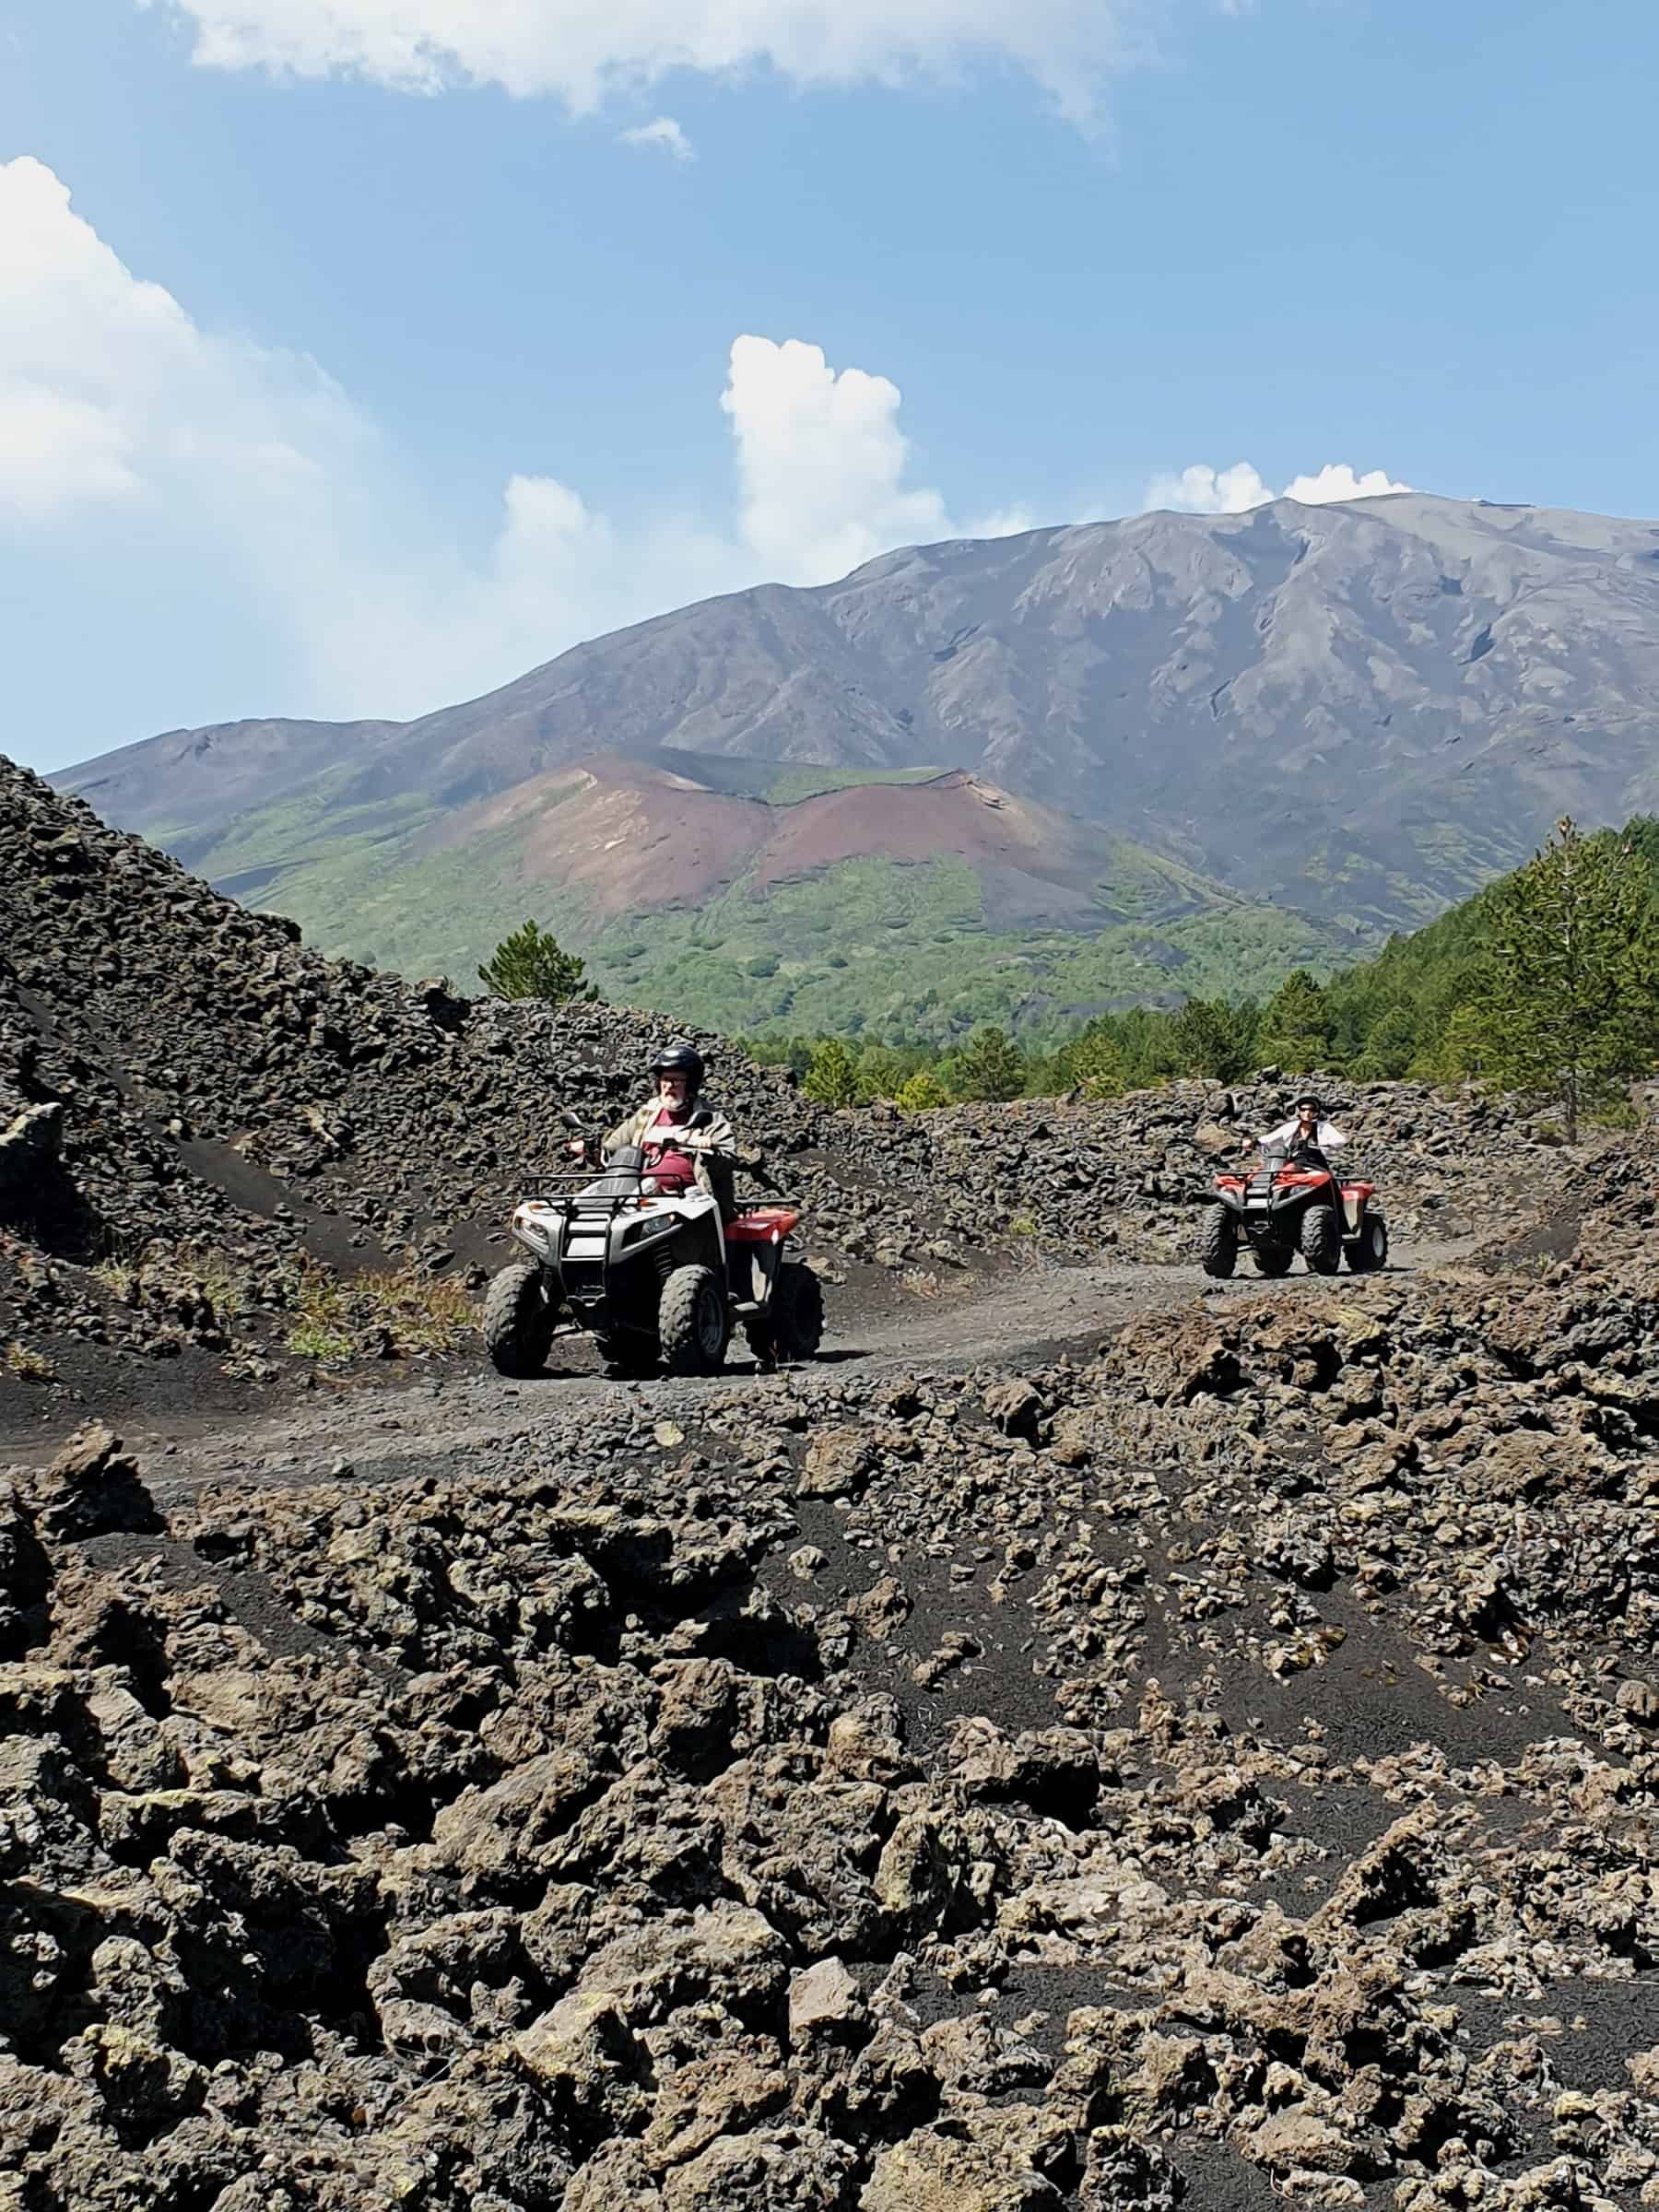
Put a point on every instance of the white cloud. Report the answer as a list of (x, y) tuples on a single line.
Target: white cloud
[(1003, 521), (584, 51), (1204, 490), (665, 132), (820, 461), (216, 468), (1337, 480), (58, 451)]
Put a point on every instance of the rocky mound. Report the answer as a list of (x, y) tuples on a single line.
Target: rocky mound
[(1218, 1770)]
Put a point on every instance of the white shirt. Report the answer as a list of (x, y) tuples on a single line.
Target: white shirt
[(1327, 1137)]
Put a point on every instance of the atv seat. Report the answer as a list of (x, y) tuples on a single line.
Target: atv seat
[(762, 1225)]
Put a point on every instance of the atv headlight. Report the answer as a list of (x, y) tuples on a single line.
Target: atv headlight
[(641, 1230)]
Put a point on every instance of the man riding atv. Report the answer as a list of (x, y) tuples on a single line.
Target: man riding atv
[(684, 1141), (653, 1260)]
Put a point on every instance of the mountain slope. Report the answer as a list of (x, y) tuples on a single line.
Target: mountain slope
[(185, 780), (1361, 712), (742, 892)]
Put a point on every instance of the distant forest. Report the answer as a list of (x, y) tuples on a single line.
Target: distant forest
[(1398, 1015)]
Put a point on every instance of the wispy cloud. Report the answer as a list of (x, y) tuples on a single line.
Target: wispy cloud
[(122, 421), (663, 131), (584, 51)]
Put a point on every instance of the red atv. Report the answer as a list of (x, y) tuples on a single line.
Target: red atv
[(1293, 1202)]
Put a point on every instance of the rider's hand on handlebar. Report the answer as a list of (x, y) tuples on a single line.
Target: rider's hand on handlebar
[(577, 1148)]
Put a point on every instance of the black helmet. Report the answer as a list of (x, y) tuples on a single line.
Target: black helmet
[(680, 1059), (1308, 1098)]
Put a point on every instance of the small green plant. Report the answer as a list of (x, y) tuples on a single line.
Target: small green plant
[(162, 1273), (120, 1278), (29, 1365), (381, 1315), (1021, 1225), (832, 1080), (319, 1331)]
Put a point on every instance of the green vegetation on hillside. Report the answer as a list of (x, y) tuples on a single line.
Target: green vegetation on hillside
[(894, 951), (867, 948), (1547, 982), (910, 966)]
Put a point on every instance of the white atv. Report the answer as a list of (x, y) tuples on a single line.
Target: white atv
[(655, 1277)]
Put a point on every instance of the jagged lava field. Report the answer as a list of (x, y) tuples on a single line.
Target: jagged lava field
[(1096, 1738)]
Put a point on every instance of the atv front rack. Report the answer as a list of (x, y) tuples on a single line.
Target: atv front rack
[(745, 1202)]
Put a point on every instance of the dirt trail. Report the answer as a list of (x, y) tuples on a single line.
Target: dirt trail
[(388, 1433)]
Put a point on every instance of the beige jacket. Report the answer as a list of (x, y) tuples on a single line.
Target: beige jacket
[(706, 1135)]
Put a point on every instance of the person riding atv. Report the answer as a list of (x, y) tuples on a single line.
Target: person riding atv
[(1306, 1131), (653, 1259), (1294, 1201), (684, 1141)]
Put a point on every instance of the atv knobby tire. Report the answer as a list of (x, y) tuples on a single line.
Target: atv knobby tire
[(692, 1322), (1322, 1240), (792, 1328), (1273, 1256), (1219, 1242), (518, 1321), (1369, 1250)]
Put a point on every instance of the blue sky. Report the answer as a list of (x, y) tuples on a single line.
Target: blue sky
[(342, 373)]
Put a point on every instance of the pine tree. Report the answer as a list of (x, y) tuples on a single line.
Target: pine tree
[(1207, 1037), (532, 964), (1296, 1026), (883, 1070), (1099, 1063), (832, 1078), (1390, 1046), (1563, 999), (991, 1067), (922, 1090)]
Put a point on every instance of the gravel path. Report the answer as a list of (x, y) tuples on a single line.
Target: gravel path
[(1017, 1320)]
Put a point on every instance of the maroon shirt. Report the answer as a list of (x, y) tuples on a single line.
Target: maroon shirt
[(679, 1167)]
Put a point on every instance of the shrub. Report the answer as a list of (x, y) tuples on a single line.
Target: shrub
[(29, 1365), (922, 1091), (379, 1315)]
